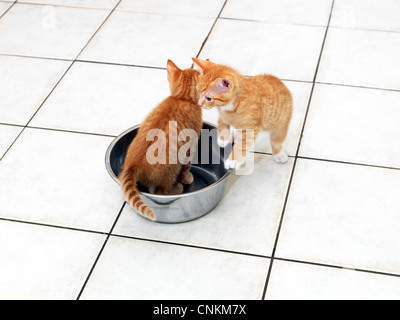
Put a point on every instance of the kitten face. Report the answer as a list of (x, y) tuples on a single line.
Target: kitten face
[(215, 94), (215, 84)]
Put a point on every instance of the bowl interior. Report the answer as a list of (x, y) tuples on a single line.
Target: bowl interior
[(207, 166)]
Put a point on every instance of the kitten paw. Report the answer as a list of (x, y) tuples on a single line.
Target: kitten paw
[(187, 178), (223, 143), (281, 157), (232, 164)]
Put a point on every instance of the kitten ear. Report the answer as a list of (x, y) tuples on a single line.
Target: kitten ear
[(172, 70), (221, 85), (200, 65), (197, 68)]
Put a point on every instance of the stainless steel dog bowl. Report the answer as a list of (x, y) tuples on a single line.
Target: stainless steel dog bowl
[(198, 198)]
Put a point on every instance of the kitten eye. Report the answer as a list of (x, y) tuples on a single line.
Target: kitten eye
[(208, 99)]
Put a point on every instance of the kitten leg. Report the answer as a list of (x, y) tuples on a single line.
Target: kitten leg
[(186, 177), (176, 188), (277, 142), (245, 141), (224, 134)]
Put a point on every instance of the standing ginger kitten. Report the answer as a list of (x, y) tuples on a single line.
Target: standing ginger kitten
[(181, 107), (259, 103)]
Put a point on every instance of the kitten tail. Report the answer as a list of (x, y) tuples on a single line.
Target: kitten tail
[(131, 192)]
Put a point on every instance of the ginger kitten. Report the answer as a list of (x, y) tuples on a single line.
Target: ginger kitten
[(259, 103), (167, 178)]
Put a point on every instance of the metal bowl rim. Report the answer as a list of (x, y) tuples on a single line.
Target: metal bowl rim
[(152, 195)]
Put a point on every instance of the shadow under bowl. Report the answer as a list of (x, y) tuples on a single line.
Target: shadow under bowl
[(198, 198)]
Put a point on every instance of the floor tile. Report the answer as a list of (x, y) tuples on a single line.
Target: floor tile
[(347, 54), (103, 99), (296, 281), (8, 135), (286, 51), (4, 6), (136, 38), (60, 179), (310, 12), (43, 263), (301, 94), (197, 8), (367, 14), (256, 225), (340, 214), (130, 269), (24, 85), (353, 125), (52, 32), (99, 4)]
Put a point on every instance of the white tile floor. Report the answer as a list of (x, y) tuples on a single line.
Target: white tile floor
[(76, 73)]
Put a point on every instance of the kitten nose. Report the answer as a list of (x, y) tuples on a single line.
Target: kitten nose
[(200, 103)]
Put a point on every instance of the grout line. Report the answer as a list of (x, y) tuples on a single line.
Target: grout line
[(295, 160), (53, 226), (274, 22), (332, 160), (8, 149), (61, 6), (279, 230), (364, 29), (212, 28), (73, 131), (265, 153), (356, 86), (121, 64), (187, 245), (8, 9), (155, 13), (349, 163), (309, 262), (338, 267), (375, 272), (49, 129), (34, 57), (12, 124), (101, 251), (296, 80)]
